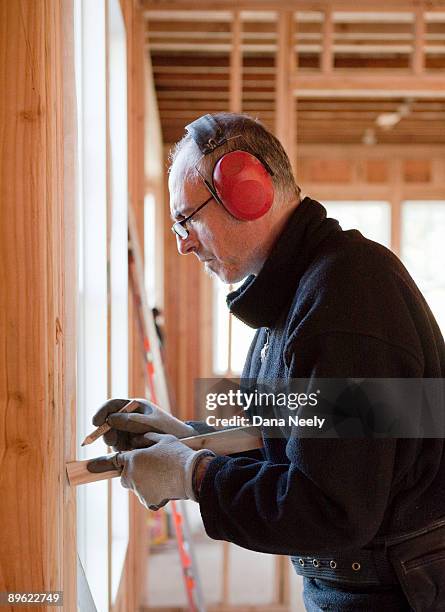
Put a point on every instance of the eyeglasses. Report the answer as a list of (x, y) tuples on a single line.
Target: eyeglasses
[(179, 228)]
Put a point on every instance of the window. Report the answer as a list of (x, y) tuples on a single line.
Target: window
[(150, 248), (102, 276), (92, 500), (423, 251), (372, 219), (117, 104), (231, 337)]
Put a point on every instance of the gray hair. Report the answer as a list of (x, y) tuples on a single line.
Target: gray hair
[(256, 139)]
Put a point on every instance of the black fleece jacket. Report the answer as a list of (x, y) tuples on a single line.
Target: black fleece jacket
[(335, 305)]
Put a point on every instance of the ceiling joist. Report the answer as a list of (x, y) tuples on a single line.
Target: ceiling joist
[(330, 70), (293, 5)]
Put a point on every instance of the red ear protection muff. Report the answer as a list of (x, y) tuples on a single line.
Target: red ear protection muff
[(243, 185), (241, 182)]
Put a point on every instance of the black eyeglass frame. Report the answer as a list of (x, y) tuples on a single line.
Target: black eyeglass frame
[(179, 229)]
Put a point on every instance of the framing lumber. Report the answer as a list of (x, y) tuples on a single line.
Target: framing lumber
[(236, 65), (282, 568), (291, 5), (133, 578), (327, 58), (285, 125), (344, 84), (418, 54), (38, 297)]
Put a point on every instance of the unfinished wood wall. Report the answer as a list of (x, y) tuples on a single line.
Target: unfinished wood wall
[(131, 588), (37, 309)]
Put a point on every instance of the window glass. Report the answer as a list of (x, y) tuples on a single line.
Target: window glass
[(150, 248), (220, 328), (117, 106), (232, 338), (423, 251), (92, 500), (372, 219), (242, 336)]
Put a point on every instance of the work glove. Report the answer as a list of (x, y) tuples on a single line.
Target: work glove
[(147, 417), (156, 474)]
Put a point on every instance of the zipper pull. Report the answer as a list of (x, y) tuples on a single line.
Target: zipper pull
[(266, 346)]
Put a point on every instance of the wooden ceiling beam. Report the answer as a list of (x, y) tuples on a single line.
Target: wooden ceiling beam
[(313, 28), (292, 5), (378, 86), (178, 25), (261, 64), (363, 59), (374, 48), (211, 96), (210, 79), (215, 105)]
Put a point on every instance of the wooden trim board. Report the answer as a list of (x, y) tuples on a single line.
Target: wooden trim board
[(222, 442)]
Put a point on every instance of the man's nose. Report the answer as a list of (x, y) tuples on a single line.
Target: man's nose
[(189, 245)]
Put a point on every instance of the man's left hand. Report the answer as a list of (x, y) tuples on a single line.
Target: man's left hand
[(157, 474)]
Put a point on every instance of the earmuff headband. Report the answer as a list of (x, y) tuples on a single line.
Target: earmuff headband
[(207, 133)]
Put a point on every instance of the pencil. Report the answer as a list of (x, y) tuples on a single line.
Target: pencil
[(97, 433)]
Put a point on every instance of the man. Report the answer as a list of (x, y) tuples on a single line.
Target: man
[(362, 519)]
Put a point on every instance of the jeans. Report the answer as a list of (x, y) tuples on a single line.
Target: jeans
[(320, 595)]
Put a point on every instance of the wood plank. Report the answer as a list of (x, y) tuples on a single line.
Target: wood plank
[(38, 297), (418, 55), (396, 199), (255, 44), (327, 58), (380, 152), (236, 62), (223, 442), (379, 86), (286, 5), (225, 582), (132, 583), (285, 129), (170, 24), (281, 586)]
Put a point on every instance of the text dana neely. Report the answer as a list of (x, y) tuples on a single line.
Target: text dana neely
[(259, 421)]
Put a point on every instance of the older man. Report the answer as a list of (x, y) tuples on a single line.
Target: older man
[(362, 519)]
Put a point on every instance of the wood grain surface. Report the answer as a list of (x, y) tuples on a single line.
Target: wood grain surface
[(38, 297)]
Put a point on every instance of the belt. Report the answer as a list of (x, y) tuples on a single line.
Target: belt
[(367, 567), (371, 566)]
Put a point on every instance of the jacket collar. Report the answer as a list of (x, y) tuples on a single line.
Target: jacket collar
[(262, 298)]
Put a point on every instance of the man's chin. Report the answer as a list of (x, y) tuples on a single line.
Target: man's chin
[(214, 268)]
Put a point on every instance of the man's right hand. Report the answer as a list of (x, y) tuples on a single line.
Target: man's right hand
[(127, 427)]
